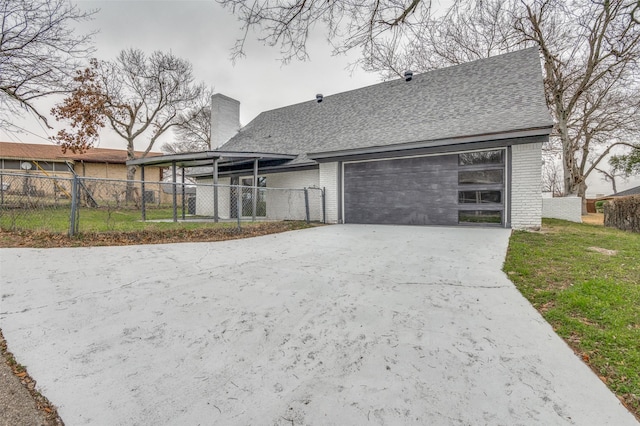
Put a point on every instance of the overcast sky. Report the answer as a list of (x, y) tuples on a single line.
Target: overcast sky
[(203, 32)]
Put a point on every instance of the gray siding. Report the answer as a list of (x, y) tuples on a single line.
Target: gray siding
[(409, 191)]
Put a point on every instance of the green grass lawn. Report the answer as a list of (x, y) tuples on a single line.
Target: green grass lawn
[(590, 296), (56, 220), (99, 220), (49, 227)]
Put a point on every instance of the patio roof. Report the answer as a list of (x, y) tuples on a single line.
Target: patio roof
[(216, 159), (206, 158)]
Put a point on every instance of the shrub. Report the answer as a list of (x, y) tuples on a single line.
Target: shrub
[(623, 213), (600, 206)]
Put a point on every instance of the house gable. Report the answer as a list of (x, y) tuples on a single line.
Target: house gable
[(486, 99)]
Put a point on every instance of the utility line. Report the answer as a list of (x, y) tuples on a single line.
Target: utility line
[(30, 132)]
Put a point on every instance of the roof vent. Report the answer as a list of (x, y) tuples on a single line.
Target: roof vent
[(319, 97), (408, 75)]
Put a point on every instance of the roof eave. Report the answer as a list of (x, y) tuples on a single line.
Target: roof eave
[(43, 159), (538, 131), (191, 159), (264, 170)]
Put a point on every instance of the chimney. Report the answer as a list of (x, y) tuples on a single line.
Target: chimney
[(225, 119), (319, 97), (408, 75)]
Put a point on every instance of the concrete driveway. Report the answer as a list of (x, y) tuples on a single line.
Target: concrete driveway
[(337, 325)]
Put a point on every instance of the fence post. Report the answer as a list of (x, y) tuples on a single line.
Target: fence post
[(144, 201), (183, 194), (73, 225), (324, 205), (239, 203), (254, 191), (306, 203), (1, 189)]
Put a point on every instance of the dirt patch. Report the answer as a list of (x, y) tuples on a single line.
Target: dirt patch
[(38, 239), (546, 229), (593, 219), (545, 307), (604, 251), (22, 403)]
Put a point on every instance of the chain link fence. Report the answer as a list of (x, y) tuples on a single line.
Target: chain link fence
[(36, 202), (227, 202), (79, 204)]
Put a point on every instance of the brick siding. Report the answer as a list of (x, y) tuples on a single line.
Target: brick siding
[(526, 188), (329, 181)]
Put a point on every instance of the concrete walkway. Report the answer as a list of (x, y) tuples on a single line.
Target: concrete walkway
[(337, 325)]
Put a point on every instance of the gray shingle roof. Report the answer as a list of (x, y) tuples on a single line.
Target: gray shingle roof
[(489, 96), (631, 191)]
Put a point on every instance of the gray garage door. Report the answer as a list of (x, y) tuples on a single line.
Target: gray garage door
[(434, 190)]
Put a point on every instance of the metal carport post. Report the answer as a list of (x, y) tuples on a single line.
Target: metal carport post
[(206, 158), (215, 189), (174, 192), (183, 194)]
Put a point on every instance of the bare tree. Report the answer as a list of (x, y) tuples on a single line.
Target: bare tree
[(590, 78), (39, 51), (609, 177), (193, 134), (135, 95), (552, 175), (468, 31), (349, 23)]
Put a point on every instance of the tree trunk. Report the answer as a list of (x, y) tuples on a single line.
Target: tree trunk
[(582, 191), (568, 159), (574, 183), (131, 174)]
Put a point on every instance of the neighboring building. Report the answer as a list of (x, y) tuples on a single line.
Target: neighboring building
[(49, 160), (591, 202), (458, 145), (626, 193)]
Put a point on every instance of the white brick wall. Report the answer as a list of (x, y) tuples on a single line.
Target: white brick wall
[(566, 208), (290, 205), (300, 179), (225, 119), (526, 188), (329, 181), (204, 198), (281, 204)]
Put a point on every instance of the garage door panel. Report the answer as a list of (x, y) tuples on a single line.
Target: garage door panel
[(411, 191), (404, 217)]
